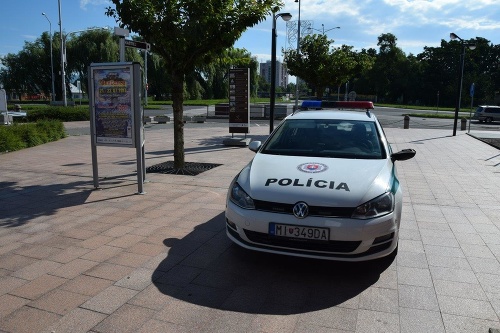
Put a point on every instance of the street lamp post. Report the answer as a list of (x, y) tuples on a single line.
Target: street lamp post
[(51, 59), (63, 74), (298, 50), (323, 31), (64, 39), (460, 77), (285, 17)]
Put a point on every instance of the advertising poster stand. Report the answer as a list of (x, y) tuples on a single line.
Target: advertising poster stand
[(116, 113)]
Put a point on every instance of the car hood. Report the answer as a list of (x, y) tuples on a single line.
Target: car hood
[(316, 181)]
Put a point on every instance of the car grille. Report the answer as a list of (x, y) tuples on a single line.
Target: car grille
[(302, 244), (277, 207)]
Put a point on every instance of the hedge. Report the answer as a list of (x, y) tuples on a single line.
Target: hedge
[(20, 136), (69, 113)]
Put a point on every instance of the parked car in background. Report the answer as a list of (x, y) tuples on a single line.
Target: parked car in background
[(487, 113)]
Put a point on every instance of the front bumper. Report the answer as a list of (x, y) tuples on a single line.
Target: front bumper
[(350, 239)]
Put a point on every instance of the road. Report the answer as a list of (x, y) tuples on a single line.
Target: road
[(388, 117), (393, 117)]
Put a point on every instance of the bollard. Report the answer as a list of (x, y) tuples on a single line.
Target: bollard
[(463, 124), (406, 122)]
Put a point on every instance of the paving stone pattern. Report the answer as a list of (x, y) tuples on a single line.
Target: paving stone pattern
[(75, 259)]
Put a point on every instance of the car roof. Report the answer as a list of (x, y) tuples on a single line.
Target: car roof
[(334, 114)]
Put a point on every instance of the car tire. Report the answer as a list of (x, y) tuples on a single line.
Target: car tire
[(489, 120)]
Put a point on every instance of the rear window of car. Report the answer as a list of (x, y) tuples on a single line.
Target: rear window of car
[(326, 138)]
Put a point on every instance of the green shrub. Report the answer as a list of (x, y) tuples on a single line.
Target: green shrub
[(54, 130), (62, 113), (20, 136), (10, 140)]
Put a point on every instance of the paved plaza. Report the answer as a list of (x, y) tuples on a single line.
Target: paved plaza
[(75, 259)]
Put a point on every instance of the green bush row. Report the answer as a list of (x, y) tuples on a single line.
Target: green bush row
[(69, 113), (20, 136)]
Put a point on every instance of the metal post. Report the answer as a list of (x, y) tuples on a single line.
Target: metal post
[(471, 104), (51, 60), (273, 76), (286, 17), (146, 75), (460, 76), (298, 50), (122, 33), (437, 102), (122, 49), (459, 96), (63, 74)]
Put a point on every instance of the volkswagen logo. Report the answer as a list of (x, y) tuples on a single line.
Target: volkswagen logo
[(300, 210)]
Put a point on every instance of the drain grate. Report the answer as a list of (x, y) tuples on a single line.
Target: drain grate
[(190, 168)]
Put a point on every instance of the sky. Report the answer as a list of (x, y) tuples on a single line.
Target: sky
[(415, 23)]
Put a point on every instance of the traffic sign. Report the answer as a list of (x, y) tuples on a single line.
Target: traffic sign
[(137, 45)]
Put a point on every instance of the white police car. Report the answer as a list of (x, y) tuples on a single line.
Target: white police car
[(323, 185)]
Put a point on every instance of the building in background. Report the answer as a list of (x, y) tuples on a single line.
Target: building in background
[(281, 73)]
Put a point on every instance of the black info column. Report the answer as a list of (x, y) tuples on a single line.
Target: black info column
[(239, 100)]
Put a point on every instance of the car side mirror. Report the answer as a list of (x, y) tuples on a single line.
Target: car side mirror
[(403, 155), (254, 145)]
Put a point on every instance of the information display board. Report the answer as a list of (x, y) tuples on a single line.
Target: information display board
[(239, 100), (115, 95), (113, 104)]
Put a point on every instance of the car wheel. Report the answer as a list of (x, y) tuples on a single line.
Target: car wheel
[(489, 120), (480, 120)]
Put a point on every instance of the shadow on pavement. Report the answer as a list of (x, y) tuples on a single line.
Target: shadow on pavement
[(208, 145), (20, 205), (206, 269)]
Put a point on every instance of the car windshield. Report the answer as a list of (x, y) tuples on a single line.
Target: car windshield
[(326, 138)]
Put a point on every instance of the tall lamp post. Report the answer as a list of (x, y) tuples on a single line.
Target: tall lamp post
[(51, 59), (63, 74), (460, 76), (65, 39), (298, 49), (285, 17)]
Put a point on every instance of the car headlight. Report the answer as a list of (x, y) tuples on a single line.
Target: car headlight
[(240, 197), (379, 206)]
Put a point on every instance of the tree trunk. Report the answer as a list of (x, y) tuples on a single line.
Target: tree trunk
[(177, 100)]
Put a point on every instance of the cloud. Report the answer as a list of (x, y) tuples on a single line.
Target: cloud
[(85, 3), (31, 37)]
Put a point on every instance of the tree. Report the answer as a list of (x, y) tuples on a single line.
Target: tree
[(187, 34), (158, 77), (215, 73), (390, 69), (318, 65), (263, 86), (29, 71), (21, 72), (91, 46), (365, 60)]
